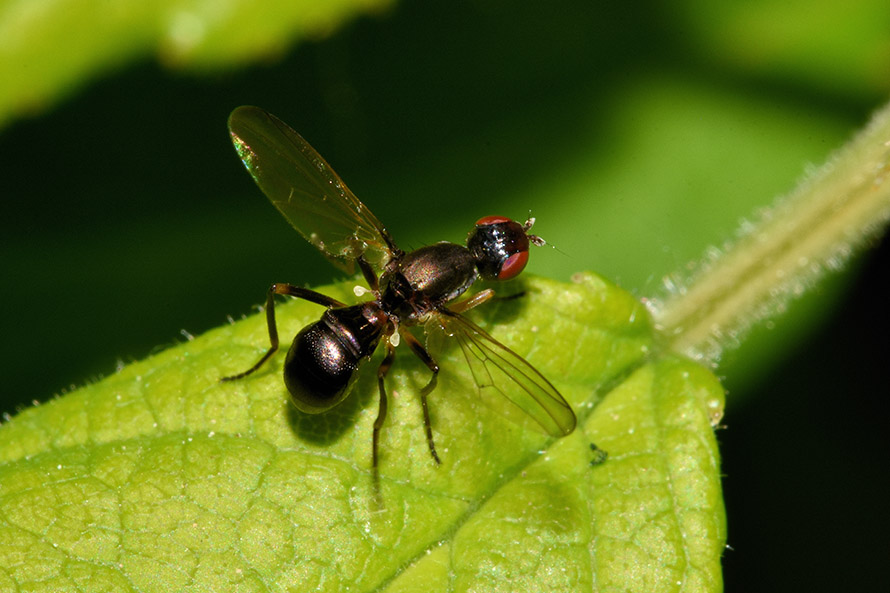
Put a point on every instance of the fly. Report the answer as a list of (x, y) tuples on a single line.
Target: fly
[(408, 288)]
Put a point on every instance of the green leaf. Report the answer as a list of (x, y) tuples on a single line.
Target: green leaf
[(161, 478)]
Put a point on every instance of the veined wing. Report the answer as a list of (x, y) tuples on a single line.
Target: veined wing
[(307, 191), (507, 383)]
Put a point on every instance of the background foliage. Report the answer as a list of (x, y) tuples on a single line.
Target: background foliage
[(638, 136)]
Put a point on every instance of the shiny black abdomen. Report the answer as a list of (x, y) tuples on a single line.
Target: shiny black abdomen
[(426, 279), (321, 363)]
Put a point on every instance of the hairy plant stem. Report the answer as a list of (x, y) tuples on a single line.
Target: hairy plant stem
[(830, 216)]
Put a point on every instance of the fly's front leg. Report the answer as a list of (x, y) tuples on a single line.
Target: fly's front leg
[(287, 290), (480, 298), (471, 303), (428, 360)]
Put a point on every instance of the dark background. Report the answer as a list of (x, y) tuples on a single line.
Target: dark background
[(126, 219)]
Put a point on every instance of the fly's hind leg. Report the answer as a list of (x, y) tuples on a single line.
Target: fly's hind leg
[(382, 370), (428, 360), (287, 290)]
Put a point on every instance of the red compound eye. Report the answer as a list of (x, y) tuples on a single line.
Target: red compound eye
[(513, 265), (499, 246), (487, 220)]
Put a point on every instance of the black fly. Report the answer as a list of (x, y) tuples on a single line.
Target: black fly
[(408, 289)]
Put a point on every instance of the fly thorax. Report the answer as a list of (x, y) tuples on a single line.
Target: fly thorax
[(439, 273)]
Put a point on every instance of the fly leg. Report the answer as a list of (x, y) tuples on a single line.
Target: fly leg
[(481, 297), (428, 360), (382, 370), (287, 290)]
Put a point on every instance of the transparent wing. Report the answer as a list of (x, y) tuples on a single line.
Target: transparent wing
[(507, 383), (305, 189)]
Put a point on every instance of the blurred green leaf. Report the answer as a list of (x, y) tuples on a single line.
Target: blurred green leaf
[(161, 478), (50, 47), (826, 44)]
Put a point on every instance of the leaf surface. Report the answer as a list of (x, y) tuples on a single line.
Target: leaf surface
[(160, 478)]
